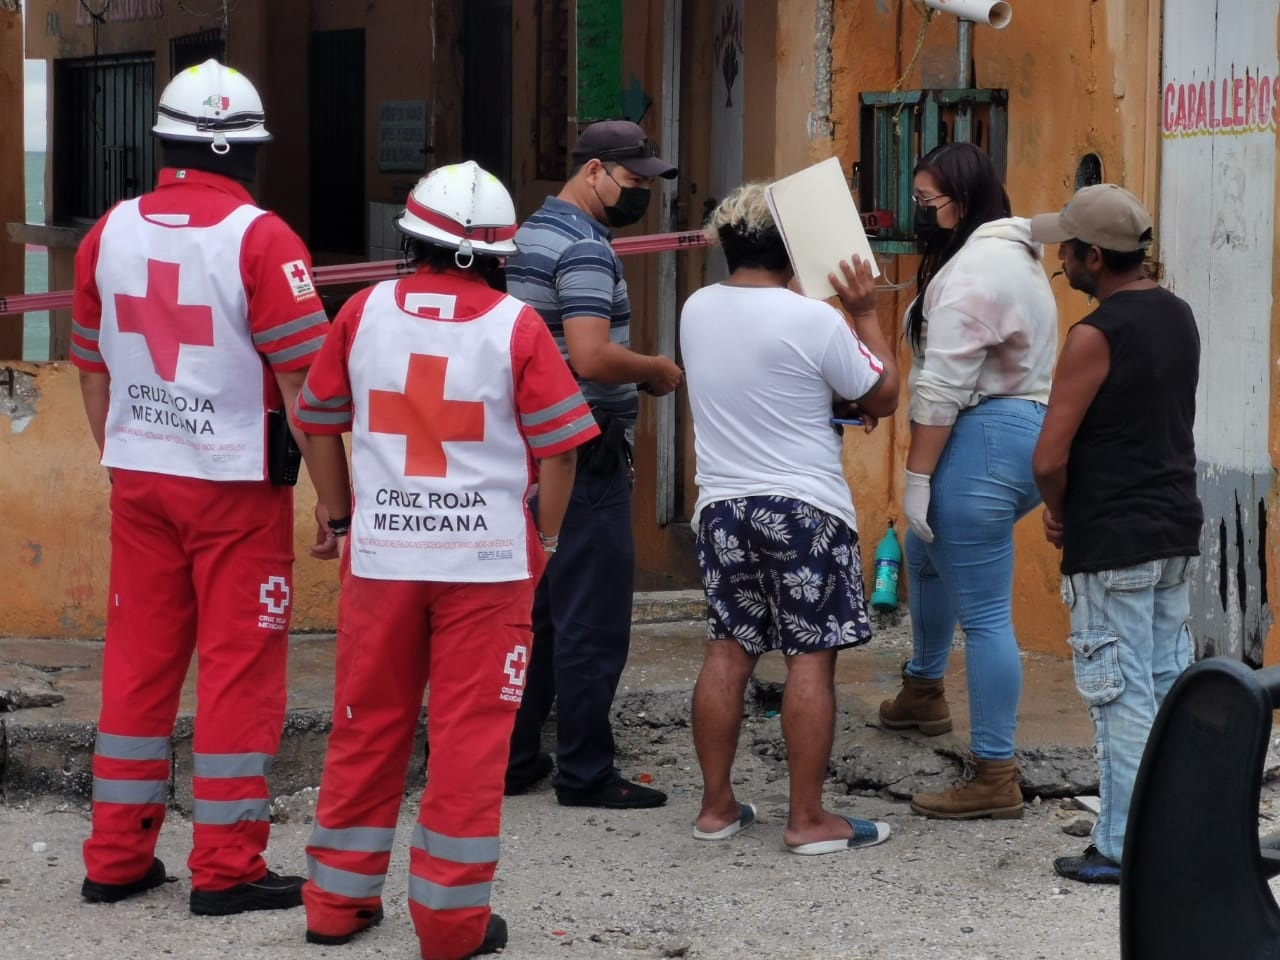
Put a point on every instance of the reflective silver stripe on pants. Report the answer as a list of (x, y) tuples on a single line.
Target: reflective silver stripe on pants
[(456, 849), (118, 747), (435, 896), (130, 791), (359, 839), (222, 813), (345, 883), (223, 766)]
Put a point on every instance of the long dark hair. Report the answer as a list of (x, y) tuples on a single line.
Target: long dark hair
[(965, 174), (489, 268)]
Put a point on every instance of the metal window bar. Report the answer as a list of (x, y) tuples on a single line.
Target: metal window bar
[(336, 88), (896, 129), (106, 153), (194, 48), (551, 116)]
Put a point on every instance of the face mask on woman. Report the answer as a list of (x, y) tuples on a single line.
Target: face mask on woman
[(929, 235)]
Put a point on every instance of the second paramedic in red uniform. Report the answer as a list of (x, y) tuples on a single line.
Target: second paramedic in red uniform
[(194, 317), (457, 401)]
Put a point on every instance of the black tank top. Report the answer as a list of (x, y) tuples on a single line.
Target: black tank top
[(1131, 476)]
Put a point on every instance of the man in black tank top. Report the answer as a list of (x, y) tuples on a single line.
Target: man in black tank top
[(1116, 467)]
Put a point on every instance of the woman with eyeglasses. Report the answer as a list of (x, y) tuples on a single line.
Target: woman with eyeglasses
[(983, 329)]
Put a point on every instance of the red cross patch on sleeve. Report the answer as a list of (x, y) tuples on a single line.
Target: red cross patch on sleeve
[(299, 278)]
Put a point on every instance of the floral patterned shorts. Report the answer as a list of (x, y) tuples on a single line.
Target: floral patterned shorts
[(780, 574)]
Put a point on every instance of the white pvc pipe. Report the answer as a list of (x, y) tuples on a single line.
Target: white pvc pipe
[(994, 13)]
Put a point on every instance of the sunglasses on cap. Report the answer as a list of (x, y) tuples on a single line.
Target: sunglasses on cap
[(645, 148)]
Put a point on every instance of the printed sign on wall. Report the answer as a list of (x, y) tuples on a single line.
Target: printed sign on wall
[(402, 136)]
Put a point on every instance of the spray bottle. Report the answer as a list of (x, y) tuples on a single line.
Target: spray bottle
[(884, 593)]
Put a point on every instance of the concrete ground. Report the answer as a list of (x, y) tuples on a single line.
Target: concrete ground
[(49, 695), (597, 884)]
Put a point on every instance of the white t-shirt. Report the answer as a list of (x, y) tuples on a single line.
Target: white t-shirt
[(762, 365)]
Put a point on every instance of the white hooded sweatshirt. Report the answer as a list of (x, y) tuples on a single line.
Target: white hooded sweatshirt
[(991, 326)]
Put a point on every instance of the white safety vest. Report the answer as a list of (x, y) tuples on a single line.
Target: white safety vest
[(186, 379), (440, 469)]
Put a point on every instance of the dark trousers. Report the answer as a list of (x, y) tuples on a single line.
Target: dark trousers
[(581, 633)]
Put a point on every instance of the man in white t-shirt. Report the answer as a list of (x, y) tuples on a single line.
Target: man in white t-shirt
[(776, 531)]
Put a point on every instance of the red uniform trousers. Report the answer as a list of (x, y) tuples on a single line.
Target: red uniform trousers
[(203, 566), (470, 642)]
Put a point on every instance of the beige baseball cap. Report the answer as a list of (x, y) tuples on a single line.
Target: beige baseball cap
[(1104, 215)]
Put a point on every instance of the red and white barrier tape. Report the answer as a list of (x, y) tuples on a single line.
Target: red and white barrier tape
[(352, 273)]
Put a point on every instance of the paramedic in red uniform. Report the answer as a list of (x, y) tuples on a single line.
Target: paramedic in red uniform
[(458, 402), (194, 317)]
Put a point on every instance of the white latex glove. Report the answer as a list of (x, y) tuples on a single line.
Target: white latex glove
[(915, 504)]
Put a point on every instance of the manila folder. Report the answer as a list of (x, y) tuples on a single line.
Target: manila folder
[(819, 223)]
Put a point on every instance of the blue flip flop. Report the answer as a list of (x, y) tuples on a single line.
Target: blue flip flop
[(746, 817), (866, 833)]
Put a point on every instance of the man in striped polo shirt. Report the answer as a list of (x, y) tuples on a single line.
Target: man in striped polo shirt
[(568, 272)]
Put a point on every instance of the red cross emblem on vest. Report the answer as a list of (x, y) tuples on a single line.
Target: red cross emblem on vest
[(425, 418), (164, 323)]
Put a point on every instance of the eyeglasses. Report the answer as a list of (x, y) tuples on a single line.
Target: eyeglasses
[(920, 201), (645, 148)]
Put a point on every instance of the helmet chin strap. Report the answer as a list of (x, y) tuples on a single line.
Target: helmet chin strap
[(465, 255)]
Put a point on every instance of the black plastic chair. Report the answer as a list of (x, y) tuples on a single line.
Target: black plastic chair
[(1193, 879)]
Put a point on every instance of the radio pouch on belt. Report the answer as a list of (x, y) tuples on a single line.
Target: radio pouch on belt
[(603, 454), (283, 455)]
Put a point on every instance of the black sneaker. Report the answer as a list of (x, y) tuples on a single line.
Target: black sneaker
[(1090, 867), (495, 937), (540, 770), (617, 794), (272, 892), (367, 918), (114, 892)]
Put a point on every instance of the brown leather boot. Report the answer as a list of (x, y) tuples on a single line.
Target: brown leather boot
[(986, 788), (921, 704)]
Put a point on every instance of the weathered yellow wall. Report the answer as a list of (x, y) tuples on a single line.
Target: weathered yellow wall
[(1080, 79), (53, 508)]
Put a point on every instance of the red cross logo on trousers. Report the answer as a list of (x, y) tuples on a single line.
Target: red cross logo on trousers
[(425, 418), (516, 665), (274, 595), (166, 324)]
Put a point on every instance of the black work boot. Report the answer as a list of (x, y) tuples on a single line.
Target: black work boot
[(94, 892), (495, 937), (272, 892)]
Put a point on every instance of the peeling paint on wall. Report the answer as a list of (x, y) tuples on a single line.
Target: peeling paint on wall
[(1231, 611), (18, 396), (1216, 236), (820, 123)]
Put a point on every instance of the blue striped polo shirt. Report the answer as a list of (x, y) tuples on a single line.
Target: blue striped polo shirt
[(565, 269)]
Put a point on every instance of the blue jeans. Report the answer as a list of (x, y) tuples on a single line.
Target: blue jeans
[(1129, 641), (981, 486)]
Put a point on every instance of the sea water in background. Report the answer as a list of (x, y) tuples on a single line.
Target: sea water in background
[(35, 336)]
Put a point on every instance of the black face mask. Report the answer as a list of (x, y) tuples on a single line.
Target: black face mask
[(633, 203), (929, 235)]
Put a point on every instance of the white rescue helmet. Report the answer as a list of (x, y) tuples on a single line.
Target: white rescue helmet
[(463, 207), (211, 103)]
